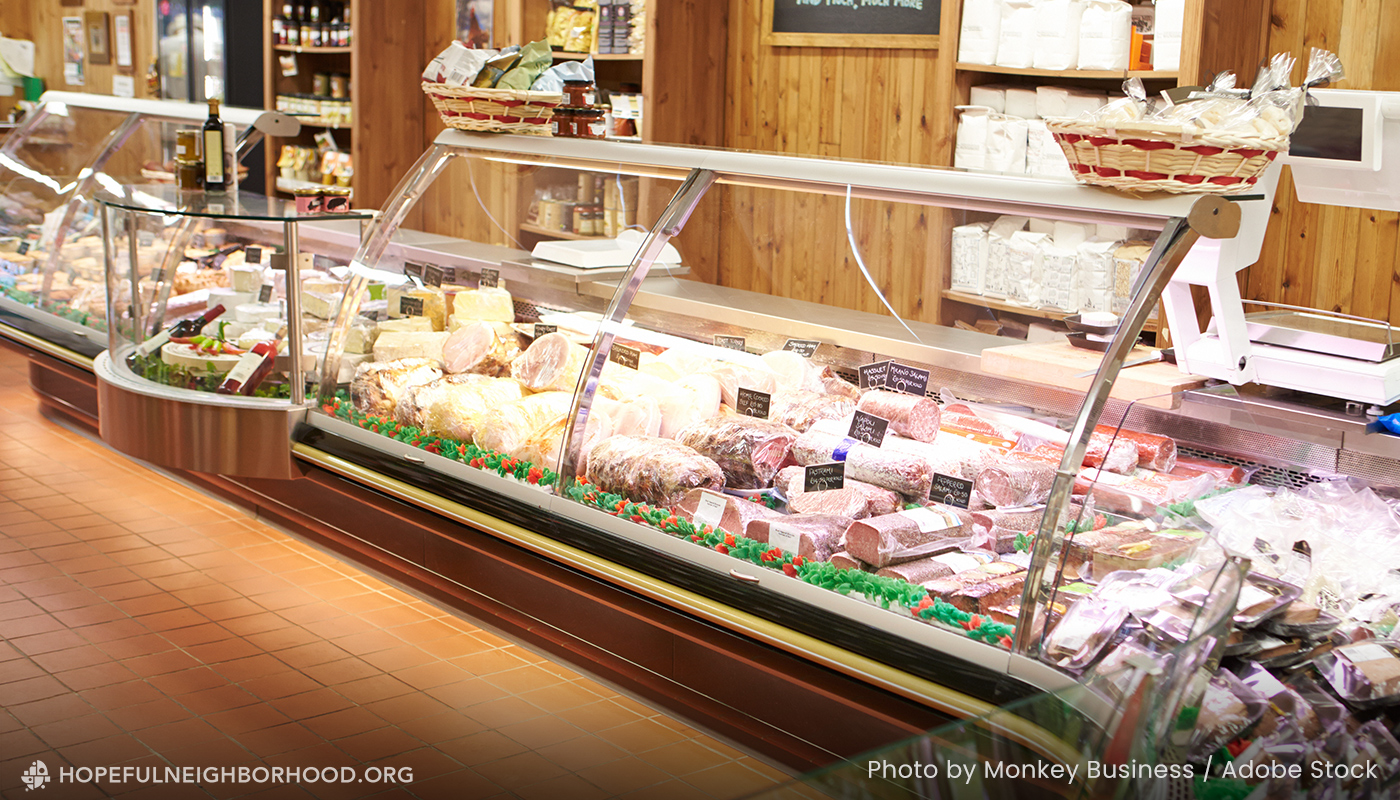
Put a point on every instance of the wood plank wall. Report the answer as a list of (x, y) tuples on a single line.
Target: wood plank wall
[(46, 30)]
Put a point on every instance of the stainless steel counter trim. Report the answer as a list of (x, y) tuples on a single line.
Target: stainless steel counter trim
[(46, 347)]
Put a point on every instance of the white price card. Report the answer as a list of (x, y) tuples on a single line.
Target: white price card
[(784, 538), (710, 509)]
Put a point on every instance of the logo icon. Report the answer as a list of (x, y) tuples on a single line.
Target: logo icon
[(36, 776)]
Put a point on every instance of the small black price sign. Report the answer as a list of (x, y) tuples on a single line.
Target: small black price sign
[(824, 477), (411, 306), (413, 270), (753, 403), (951, 491), (490, 279), (730, 342), (432, 275), (868, 428), (624, 355), (803, 347), (158, 275), (265, 293), (253, 255), (23, 247), (542, 329), (906, 379), (872, 376)]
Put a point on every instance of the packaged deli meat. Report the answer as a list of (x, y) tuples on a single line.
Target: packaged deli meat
[(961, 455), (749, 450), (414, 402), (907, 475), (1017, 480), (551, 363), (1021, 519), (733, 513), (816, 537), (694, 398), (378, 384), (1365, 674), (1113, 455), (506, 428), (651, 470), (732, 376), (935, 567), (480, 348), (1225, 474), (800, 409), (458, 407), (914, 416), (837, 386), (1157, 453), (844, 560), (1141, 493), (908, 535), (981, 597), (958, 417), (862, 499)]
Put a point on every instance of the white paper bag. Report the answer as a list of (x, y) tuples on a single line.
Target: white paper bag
[(970, 148), (999, 254), (1105, 34), (969, 257), (1051, 101), (1026, 256), (1095, 275), (991, 95), (1006, 145), (1083, 101), (1020, 102), (1166, 37), (1043, 154), (1057, 33), (1058, 272), (981, 30), (1016, 40)]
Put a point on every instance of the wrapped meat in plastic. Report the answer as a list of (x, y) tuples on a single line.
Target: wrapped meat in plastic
[(479, 348), (378, 384), (844, 560), (794, 371), (1017, 480), (1155, 452), (958, 417), (455, 411), (507, 428), (732, 375), (694, 398), (645, 469), (819, 534), (550, 363), (905, 474), (960, 455), (1141, 493), (1225, 474), (1118, 455), (855, 499), (624, 383), (542, 448), (1019, 519), (749, 450), (800, 409), (837, 386), (675, 363), (908, 535), (413, 405), (636, 416), (979, 597), (914, 416), (735, 517)]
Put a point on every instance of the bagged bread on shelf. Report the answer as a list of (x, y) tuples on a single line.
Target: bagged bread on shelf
[(1080, 102), (1057, 25), (974, 130), (1006, 144), (1025, 258), (1044, 156), (1169, 23), (1016, 36), (969, 257), (980, 32), (1105, 35)]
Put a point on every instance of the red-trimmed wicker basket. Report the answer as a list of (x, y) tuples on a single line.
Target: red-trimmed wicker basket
[(1143, 157), (497, 110)]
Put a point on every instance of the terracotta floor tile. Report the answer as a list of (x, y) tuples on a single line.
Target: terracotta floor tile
[(363, 642), (53, 709), (377, 744), (675, 789), (311, 654), (88, 615), (438, 728), (640, 736), (467, 693), (560, 697), (311, 704), (256, 666), (683, 758), (84, 655), (136, 646), (581, 753), (427, 676), (283, 684), (75, 730), (30, 689), (461, 785), (541, 731), (398, 658), (48, 642), (482, 748), (115, 630), (729, 780), (229, 609), (599, 716), (373, 688), (520, 770), (345, 670), (121, 695), (523, 679), (187, 681), (217, 699), (570, 786), (230, 652), (412, 705), (624, 775), (20, 743), (279, 739), (109, 750), (489, 662), (148, 715), (161, 663), (255, 717), (344, 723)]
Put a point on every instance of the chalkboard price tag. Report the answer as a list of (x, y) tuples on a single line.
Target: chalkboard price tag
[(951, 491), (868, 428), (753, 403), (411, 306), (490, 279), (158, 276), (803, 347), (542, 329), (23, 247), (872, 376), (413, 270), (730, 342), (624, 355), (265, 293), (824, 477), (906, 379), (252, 255), (432, 275)]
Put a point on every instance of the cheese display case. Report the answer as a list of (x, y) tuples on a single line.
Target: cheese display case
[(69, 149)]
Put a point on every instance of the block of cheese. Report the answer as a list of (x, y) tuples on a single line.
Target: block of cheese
[(360, 338), (406, 325), (322, 283), (428, 302), (188, 357), (492, 304), (418, 344), (228, 298), (246, 278), (321, 305), (257, 312), (502, 329)]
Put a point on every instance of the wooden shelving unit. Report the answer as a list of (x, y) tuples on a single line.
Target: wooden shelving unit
[(1006, 306), (294, 48), (560, 55), (528, 227), (1075, 74)]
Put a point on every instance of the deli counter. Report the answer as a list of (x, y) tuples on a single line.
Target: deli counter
[(777, 514)]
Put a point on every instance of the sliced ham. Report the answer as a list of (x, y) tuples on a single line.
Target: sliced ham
[(550, 363), (479, 348)]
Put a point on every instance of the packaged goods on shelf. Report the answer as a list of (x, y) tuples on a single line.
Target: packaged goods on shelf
[(1169, 22), (323, 110), (1106, 35), (1057, 24), (981, 32), (1017, 34)]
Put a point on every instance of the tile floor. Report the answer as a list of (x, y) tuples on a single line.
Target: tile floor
[(145, 624)]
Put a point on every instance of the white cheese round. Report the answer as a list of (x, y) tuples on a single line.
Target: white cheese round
[(254, 313), (190, 358)]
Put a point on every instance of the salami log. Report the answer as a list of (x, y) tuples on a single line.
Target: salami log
[(958, 417), (898, 472), (1226, 474), (857, 499), (652, 470), (1155, 452), (1116, 455), (749, 450), (1019, 479), (799, 409), (908, 535), (1143, 492), (920, 570), (819, 534), (737, 514), (910, 415)]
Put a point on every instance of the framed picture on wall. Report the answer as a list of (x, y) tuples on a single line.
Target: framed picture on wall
[(121, 40), (99, 46)]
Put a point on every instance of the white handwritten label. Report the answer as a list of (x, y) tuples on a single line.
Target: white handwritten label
[(784, 538), (709, 510), (728, 342), (803, 347)]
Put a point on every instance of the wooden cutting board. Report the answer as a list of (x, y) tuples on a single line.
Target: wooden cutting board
[(1053, 364)]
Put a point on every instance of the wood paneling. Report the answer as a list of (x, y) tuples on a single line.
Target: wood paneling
[(46, 29)]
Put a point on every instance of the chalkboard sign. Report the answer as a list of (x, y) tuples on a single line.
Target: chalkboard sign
[(824, 477), (624, 355), (265, 293), (411, 306), (490, 279), (868, 428), (906, 379), (253, 255), (432, 275), (872, 376), (753, 403), (542, 329), (951, 491), (730, 342), (852, 23), (803, 347)]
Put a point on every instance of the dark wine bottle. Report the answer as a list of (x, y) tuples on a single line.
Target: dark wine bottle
[(183, 329), (214, 178), (253, 368)]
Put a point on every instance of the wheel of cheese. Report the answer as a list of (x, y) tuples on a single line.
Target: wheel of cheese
[(257, 312), (228, 298), (188, 357)]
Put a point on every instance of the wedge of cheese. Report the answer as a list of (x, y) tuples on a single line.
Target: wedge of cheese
[(406, 325), (322, 305), (360, 338), (431, 298), (492, 304), (393, 345)]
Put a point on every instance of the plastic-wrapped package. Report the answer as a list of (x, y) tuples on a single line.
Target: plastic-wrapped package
[(1283, 703), (545, 444), (907, 535), (999, 254), (1095, 276), (639, 415), (1105, 35), (550, 363), (981, 596), (1006, 145), (1057, 25), (818, 536), (800, 409), (969, 257), (651, 470), (1227, 710), (794, 371), (1132, 107), (914, 416), (1087, 627), (1059, 286), (479, 349), (378, 384), (1139, 591), (1025, 259), (488, 304), (456, 412), (974, 132), (1016, 480), (1158, 549), (1081, 102), (695, 398), (836, 386), (414, 402), (856, 499), (1142, 493), (1044, 155), (1051, 101), (731, 376), (1155, 452), (749, 451), (908, 475), (1262, 597), (1021, 102), (1016, 36), (735, 515), (1364, 674), (506, 428), (980, 33)]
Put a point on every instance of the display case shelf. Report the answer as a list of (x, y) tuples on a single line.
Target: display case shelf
[(295, 48), (552, 234), (1092, 74)]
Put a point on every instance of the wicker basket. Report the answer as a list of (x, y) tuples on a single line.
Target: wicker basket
[(496, 110), (1142, 157)]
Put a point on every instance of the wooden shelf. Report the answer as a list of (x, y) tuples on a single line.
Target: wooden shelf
[(1015, 308), (296, 48), (1108, 74), (532, 228), (560, 55)]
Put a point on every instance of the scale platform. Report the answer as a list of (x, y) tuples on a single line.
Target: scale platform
[(1322, 333)]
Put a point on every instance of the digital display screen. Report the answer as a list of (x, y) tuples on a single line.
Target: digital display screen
[(1329, 132)]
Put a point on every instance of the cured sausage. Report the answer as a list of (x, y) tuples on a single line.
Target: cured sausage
[(1019, 479), (652, 470), (856, 499), (910, 415), (749, 450), (1155, 452), (800, 409), (735, 517), (898, 472)]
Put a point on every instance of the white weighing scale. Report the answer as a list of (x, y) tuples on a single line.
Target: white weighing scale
[(1345, 153)]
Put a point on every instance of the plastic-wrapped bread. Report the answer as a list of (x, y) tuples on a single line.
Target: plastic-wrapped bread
[(480, 349), (506, 429), (819, 535), (800, 409), (794, 371), (1019, 479), (898, 472), (456, 409), (550, 363), (855, 499), (413, 405), (695, 398), (734, 518), (749, 450), (1157, 453), (914, 416), (378, 384), (651, 470), (908, 535)]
